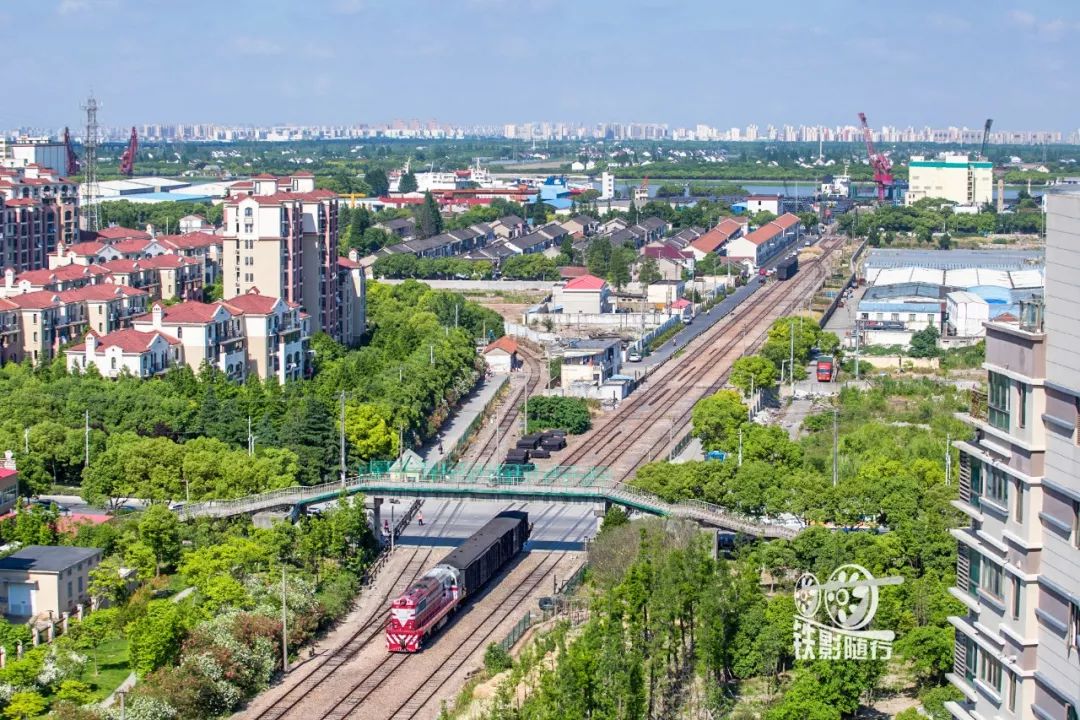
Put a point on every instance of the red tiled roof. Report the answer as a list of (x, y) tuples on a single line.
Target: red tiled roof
[(130, 246), (663, 251), (122, 266), (85, 248), (104, 291), (787, 221), (252, 303), (716, 237), (130, 341), (680, 304), (190, 241), (585, 283), (159, 262), (63, 273), (191, 312), (505, 343), (347, 263), (21, 202), (123, 233), (264, 176), (37, 300), (303, 174)]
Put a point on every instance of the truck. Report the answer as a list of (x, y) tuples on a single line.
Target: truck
[(825, 368)]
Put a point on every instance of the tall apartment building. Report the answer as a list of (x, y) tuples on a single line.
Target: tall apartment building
[(39, 209), (951, 176), (281, 238), (1017, 652)]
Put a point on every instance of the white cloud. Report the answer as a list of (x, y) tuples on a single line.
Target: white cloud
[(1051, 29), (248, 45), (1022, 18)]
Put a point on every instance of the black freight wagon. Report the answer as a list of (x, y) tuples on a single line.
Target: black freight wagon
[(486, 552), (787, 268)]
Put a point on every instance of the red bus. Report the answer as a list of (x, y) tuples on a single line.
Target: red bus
[(825, 369)]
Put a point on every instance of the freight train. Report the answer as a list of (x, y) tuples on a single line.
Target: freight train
[(430, 601)]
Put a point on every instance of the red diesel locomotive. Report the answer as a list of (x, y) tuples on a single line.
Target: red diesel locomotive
[(430, 601)]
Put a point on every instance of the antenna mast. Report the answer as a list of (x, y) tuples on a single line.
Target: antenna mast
[(91, 211)]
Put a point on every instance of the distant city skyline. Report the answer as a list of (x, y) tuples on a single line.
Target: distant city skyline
[(476, 62)]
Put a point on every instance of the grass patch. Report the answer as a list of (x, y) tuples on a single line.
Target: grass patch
[(663, 337), (113, 667)]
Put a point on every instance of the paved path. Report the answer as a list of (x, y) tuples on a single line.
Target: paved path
[(471, 406)]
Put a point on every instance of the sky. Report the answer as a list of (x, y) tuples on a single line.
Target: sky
[(681, 62)]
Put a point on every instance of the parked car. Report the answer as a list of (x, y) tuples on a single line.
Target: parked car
[(49, 505), (633, 356)]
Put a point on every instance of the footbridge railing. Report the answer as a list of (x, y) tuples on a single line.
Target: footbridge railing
[(494, 487)]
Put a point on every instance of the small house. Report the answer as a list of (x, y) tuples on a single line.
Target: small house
[(40, 580), (501, 356)]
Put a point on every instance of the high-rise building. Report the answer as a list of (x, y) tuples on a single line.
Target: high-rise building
[(39, 210), (1017, 652), (281, 238)]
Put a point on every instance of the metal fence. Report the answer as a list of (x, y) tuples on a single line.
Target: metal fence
[(516, 632)]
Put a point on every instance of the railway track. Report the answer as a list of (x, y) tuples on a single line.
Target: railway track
[(371, 629), (490, 448), (695, 377), (362, 689)]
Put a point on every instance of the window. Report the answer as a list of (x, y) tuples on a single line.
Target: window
[(247, 212), (997, 485), (248, 227), (990, 580), (1018, 503), (80, 584), (1076, 525), (112, 363), (1012, 693), (1017, 587), (989, 670), (998, 400), (69, 589), (912, 317), (929, 318), (1023, 392), (895, 317), (1072, 637)]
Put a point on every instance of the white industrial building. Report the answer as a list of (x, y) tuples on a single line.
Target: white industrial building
[(966, 312), (950, 176)]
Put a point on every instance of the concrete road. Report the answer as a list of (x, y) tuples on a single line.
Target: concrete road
[(448, 522)]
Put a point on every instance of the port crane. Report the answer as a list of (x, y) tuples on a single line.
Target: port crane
[(879, 161), (127, 159), (73, 165), (986, 138)]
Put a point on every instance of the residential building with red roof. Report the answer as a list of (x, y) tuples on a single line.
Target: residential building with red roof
[(713, 240), (765, 242), (583, 294), (133, 352), (38, 211), (670, 260), (208, 333), (277, 336)]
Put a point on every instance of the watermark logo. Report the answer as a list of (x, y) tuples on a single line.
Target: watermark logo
[(850, 598)]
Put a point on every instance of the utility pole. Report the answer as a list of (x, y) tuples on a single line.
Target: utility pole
[(835, 446), (750, 408), (856, 349), (740, 448), (284, 625), (791, 322), (456, 307), (431, 351), (342, 438), (250, 439), (26, 440), (86, 439)]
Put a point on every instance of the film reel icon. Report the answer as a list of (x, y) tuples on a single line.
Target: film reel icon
[(851, 596), (807, 595)]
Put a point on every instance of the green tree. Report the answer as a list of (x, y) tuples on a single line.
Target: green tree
[(598, 257), (94, 629), (649, 272), (569, 414), (159, 528), (429, 220), (619, 267), (106, 582), (539, 212), (379, 183), (74, 691), (717, 419), (407, 183), (496, 659), (924, 343), (753, 371), (155, 637), (368, 432), (25, 704)]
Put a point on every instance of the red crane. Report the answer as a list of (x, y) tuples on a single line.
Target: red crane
[(881, 164), (73, 166), (127, 160)]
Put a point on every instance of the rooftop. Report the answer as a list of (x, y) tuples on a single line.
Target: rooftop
[(48, 558), (505, 343), (585, 283)]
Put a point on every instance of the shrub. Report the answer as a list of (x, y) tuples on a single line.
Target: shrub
[(497, 659)]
